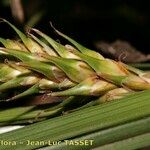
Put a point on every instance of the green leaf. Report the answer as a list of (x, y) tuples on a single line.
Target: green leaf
[(106, 136), (133, 107), (27, 114), (137, 142)]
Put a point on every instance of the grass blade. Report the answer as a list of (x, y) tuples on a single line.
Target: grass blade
[(136, 142), (133, 107), (106, 136)]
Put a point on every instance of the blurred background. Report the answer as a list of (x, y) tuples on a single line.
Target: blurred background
[(96, 24)]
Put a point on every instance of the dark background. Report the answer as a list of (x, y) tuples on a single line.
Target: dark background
[(86, 21)]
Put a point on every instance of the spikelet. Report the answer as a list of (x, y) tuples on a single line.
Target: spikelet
[(38, 67)]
